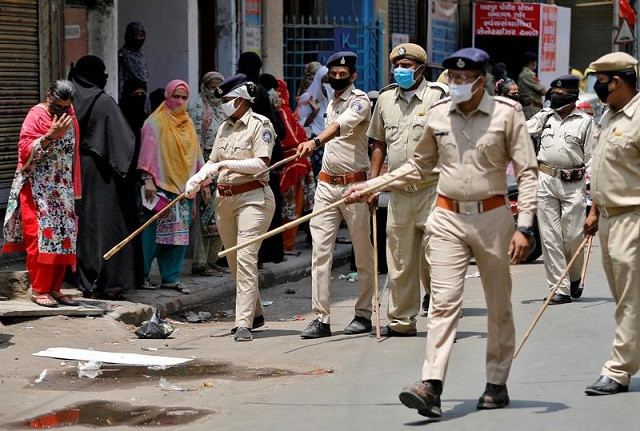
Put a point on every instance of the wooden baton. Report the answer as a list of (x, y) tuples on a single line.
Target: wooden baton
[(124, 242), (275, 165), (551, 293), (375, 271), (303, 219), (583, 275)]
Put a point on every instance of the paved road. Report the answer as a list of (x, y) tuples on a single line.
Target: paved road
[(280, 382)]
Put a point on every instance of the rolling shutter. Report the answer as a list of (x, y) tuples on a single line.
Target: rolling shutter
[(591, 28), (19, 78)]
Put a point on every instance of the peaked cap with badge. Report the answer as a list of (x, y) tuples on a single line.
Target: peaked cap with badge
[(343, 58), (614, 62), (466, 59), (567, 82), (408, 50), (231, 83)]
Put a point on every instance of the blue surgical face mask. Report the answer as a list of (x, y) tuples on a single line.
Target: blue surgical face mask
[(404, 77)]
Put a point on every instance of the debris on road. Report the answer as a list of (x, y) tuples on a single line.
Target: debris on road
[(155, 327), (201, 316), (207, 384), (267, 303), (41, 377), (89, 369), (150, 349), (109, 357), (295, 318), (166, 386), (352, 277), (319, 371), (289, 290)]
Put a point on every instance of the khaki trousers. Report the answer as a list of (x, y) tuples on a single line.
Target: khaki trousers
[(406, 251), (453, 240), (561, 213), (324, 229), (240, 218), (620, 242)]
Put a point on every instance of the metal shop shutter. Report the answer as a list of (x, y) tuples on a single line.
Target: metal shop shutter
[(591, 28), (19, 76)]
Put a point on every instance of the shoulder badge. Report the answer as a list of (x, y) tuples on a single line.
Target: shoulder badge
[(267, 136), (357, 106), (441, 102)]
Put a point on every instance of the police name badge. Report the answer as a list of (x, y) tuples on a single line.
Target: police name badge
[(267, 136)]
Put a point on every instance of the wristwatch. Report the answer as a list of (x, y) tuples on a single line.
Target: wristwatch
[(317, 142), (526, 231)]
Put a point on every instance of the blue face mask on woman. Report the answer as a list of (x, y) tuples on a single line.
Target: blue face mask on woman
[(404, 77)]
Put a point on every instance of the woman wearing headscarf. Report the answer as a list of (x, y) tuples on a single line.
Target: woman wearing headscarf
[(310, 70), (40, 215), (244, 204), (310, 111), (169, 155), (207, 116), (296, 178), (131, 61), (108, 211)]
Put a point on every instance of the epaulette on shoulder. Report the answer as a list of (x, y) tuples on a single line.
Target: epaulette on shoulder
[(388, 87), (260, 117), (359, 92), (516, 105), (441, 102), (439, 86)]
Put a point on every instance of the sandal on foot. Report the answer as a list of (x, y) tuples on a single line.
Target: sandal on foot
[(147, 285), (64, 299), (179, 286), (44, 300)]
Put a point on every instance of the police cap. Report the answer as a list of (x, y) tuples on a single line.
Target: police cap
[(343, 58), (614, 62), (408, 50), (466, 59), (230, 84), (530, 56), (568, 82)]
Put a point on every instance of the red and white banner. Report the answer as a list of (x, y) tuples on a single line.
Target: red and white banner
[(507, 19), (547, 58)]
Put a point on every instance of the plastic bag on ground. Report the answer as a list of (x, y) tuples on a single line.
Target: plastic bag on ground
[(155, 327), (90, 369)]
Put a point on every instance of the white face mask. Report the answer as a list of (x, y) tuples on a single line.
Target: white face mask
[(461, 92), (229, 108)]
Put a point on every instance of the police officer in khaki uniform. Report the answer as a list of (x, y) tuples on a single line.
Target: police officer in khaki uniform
[(396, 127), (345, 162), (615, 187), (244, 205), (473, 136), (531, 89), (563, 159)]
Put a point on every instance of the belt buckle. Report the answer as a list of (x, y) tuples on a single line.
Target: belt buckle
[(337, 180), (469, 207), (226, 191), (411, 189)]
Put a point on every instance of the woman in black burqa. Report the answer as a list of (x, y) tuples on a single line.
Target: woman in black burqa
[(107, 213), (249, 63)]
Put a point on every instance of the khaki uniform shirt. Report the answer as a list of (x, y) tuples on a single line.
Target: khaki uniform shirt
[(615, 177), (248, 137), (348, 152), (473, 151), (564, 143), (400, 124), (529, 86)]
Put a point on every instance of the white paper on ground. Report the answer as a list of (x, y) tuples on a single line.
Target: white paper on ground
[(109, 357)]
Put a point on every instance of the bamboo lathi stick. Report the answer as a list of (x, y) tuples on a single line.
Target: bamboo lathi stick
[(275, 165), (303, 219), (124, 242), (376, 287), (583, 275), (551, 293)]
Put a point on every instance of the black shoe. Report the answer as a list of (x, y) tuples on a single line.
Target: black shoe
[(559, 298), (243, 334), (494, 397), (425, 303), (316, 329), (387, 331), (258, 322), (576, 290), (359, 325), (605, 386), (424, 397)]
